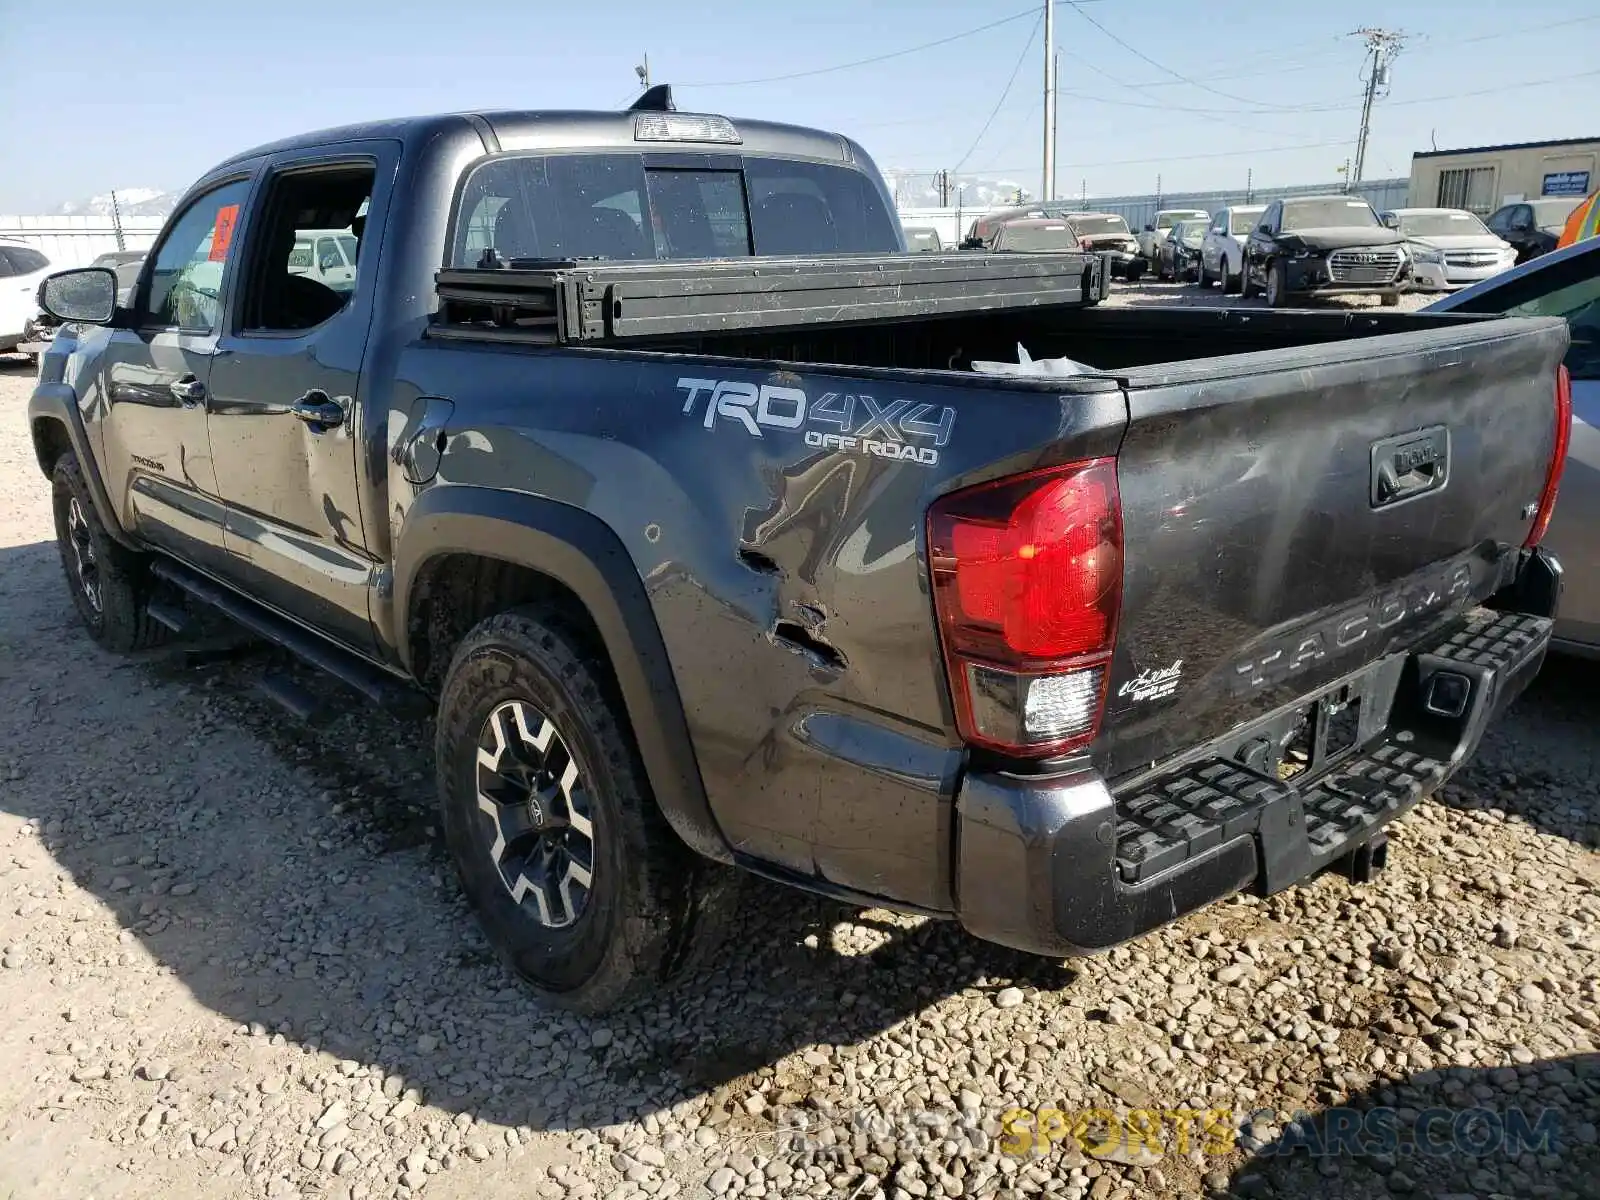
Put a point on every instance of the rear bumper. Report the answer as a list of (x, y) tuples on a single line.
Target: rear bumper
[(1063, 866)]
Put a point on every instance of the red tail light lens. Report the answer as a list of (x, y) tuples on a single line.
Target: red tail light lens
[(1027, 581), (1558, 459)]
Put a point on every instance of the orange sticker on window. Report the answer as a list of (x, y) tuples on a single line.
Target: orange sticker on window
[(222, 235)]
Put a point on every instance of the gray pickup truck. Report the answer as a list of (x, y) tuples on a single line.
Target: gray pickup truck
[(721, 530)]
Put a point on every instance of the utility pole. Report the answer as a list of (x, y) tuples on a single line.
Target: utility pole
[(1249, 183), (116, 222), (1049, 188), (1382, 46)]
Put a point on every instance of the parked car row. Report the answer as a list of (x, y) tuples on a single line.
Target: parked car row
[(1033, 228), (1316, 245)]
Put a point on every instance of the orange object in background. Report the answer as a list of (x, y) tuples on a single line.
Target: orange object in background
[(1584, 222)]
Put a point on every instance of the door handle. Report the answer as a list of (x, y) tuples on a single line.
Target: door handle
[(315, 408), (188, 391)]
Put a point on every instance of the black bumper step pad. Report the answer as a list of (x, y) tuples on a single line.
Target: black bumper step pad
[(1204, 804)]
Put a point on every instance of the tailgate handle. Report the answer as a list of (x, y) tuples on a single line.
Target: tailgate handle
[(1409, 464)]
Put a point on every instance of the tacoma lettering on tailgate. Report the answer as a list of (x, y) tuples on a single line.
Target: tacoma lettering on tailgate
[(1350, 627)]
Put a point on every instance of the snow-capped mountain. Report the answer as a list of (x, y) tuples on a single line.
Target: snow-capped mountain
[(131, 202)]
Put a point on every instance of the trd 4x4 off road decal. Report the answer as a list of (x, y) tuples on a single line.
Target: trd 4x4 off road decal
[(834, 420)]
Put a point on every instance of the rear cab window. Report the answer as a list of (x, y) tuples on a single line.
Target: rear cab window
[(624, 207)]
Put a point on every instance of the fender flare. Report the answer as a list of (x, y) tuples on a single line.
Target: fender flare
[(582, 553), (58, 403)]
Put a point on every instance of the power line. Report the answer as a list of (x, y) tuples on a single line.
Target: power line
[(1166, 158), (1265, 110), (1077, 7), (1015, 71), (863, 62), (1541, 29)]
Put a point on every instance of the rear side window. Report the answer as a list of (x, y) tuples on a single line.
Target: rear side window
[(814, 208), (26, 261), (1569, 289), (614, 206)]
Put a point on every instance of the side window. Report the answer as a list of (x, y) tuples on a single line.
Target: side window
[(186, 281), (1497, 220), (6, 269), (25, 260), (307, 215), (1574, 293)]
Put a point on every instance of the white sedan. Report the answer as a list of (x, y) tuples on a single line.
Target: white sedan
[(1222, 251), (22, 269), (1450, 248)]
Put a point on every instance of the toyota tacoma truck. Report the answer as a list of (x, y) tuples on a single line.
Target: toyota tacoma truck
[(720, 530)]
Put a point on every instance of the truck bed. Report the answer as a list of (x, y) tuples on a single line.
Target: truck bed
[(1247, 445)]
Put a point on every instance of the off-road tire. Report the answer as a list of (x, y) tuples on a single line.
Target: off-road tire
[(113, 605), (653, 907)]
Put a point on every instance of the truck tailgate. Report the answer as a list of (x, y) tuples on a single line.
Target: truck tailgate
[(1291, 517)]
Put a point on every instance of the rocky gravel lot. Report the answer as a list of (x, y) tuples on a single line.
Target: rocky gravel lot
[(234, 962)]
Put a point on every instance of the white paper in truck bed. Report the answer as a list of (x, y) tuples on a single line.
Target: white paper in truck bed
[(1026, 365)]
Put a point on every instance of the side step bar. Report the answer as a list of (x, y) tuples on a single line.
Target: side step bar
[(376, 684)]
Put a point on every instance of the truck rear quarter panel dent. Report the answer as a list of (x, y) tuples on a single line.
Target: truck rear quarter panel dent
[(582, 554)]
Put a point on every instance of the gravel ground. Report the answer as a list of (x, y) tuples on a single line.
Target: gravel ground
[(234, 962)]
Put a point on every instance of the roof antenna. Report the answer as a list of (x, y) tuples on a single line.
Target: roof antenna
[(655, 99)]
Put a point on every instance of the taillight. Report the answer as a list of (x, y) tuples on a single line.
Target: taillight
[(1558, 459), (1027, 582)]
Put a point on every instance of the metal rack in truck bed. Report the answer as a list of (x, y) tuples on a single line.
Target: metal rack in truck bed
[(641, 448)]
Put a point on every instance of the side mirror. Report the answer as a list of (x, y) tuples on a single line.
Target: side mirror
[(88, 294), (1149, 228), (1263, 229), (1390, 221)]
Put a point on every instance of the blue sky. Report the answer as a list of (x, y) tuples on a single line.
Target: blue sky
[(121, 95)]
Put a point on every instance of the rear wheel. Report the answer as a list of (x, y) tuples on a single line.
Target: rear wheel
[(109, 584), (580, 884), (1201, 279), (1246, 285)]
